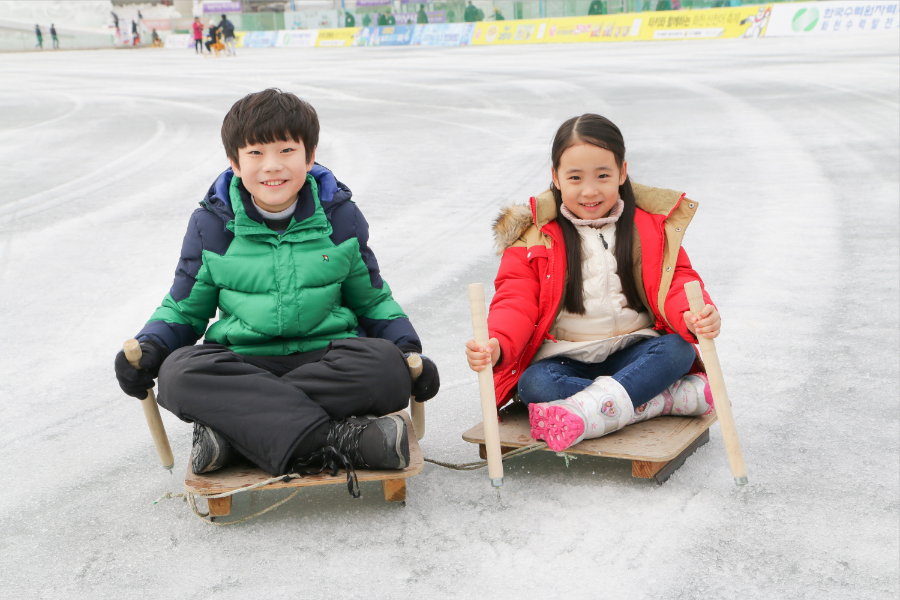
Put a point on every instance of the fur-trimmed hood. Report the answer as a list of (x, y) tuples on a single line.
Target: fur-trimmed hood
[(514, 221)]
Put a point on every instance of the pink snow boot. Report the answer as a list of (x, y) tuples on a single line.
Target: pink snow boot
[(690, 396), (599, 409)]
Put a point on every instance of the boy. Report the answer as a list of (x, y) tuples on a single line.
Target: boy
[(308, 338)]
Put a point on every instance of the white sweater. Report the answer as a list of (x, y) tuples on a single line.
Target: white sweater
[(608, 324)]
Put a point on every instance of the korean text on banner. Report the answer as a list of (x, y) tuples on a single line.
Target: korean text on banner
[(446, 34), (305, 38), (397, 35), (338, 38), (832, 16), (734, 22), (221, 7)]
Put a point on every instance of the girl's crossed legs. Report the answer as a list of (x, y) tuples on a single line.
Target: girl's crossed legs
[(644, 369)]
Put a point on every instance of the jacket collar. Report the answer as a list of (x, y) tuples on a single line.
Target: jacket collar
[(309, 221)]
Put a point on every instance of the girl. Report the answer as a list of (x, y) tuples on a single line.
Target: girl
[(590, 320)]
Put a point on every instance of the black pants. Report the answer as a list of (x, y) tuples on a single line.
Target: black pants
[(272, 408), (198, 46)]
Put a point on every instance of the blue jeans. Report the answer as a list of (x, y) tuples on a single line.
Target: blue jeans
[(644, 369)]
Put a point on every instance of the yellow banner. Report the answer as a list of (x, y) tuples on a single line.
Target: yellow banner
[(742, 21), (347, 36)]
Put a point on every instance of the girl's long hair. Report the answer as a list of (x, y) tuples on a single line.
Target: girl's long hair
[(601, 132)]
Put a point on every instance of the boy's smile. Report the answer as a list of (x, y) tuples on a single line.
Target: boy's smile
[(273, 173)]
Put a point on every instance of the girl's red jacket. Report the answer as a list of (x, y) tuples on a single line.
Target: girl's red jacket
[(529, 285)]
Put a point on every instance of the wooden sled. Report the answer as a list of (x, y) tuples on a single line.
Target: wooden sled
[(393, 483), (656, 448)]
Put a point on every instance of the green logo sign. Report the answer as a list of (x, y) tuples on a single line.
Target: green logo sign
[(805, 19)]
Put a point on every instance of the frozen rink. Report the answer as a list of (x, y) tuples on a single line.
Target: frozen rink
[(791, 147)]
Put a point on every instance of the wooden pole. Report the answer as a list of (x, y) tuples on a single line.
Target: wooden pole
[(151, 411), (486, 386), (717, 386), (416, 409)]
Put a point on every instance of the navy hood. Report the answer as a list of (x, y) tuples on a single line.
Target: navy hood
[(332, 193)]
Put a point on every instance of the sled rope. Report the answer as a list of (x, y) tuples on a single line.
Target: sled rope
[(480, 464), (191, 499)]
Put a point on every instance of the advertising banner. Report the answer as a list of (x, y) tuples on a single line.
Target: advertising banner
[(395, 35), (221, 7), (411, 18), (179, 41), (830, 17), (363, 3), (733, 22), (157, 24), (305, 38), (338, 38), (446, 34), (259, 39)]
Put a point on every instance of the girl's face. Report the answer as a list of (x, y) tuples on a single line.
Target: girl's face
[(589, 179)]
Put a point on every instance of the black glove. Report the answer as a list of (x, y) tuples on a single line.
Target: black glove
[(136, 382), (429, 382)]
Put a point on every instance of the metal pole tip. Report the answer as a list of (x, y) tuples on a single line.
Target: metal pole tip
[(497, 482), (740, 480)]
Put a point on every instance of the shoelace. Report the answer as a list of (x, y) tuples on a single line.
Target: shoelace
[(341, 450)]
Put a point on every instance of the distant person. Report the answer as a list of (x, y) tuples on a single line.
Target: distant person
[(40, 37), (367, 20), (598, 7), (421, 16), (676, 4), (664, 5), (212, 37), (54, 37), (646, 5), (382, 20), (227, 29), (198, 35), (471, 14), (157, 43), (480, 15), (349, 20), (451, 16), (115, 19), (135, 36), (498, 16), (390, 19)]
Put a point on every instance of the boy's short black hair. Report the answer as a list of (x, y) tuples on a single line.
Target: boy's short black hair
[(270, 116)]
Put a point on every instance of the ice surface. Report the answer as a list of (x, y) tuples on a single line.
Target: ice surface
[(790, 146)]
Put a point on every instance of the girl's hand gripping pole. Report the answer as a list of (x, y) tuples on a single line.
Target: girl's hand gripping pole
[(416, 409), (717, 387), (486, 386), (151, 411)]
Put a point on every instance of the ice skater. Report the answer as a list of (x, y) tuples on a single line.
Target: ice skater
[(590, 324), (40, 37), (308, 354), (198, 35), (226, 28), (54, 37)]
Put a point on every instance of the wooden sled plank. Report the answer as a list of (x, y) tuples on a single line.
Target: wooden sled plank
[(238, 476), (661, 471), (658, 440)]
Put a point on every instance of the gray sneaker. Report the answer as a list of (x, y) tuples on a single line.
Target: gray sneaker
[(210, 450)]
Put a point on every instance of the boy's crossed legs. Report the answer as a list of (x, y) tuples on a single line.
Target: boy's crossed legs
[(277, 409)]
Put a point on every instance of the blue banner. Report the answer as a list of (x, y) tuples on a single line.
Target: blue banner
[(260, 39), (394, 35), (443, 34)]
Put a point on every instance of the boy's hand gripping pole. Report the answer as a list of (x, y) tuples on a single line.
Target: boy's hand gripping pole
[(151, 411), (486, 386), (416, 409), (717, 387)]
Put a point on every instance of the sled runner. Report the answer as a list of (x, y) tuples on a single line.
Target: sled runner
[(393, 483), (656, 448)]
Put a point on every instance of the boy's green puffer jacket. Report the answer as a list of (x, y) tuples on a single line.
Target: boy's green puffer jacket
[(278, 293)]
